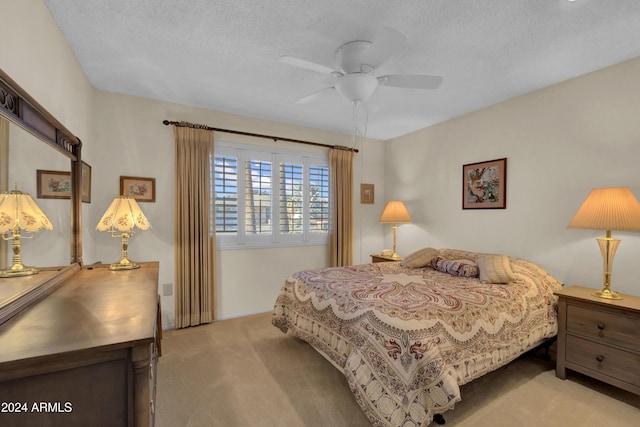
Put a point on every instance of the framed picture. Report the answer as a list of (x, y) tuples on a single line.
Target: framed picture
[(367, 194), (53, 184), (142, 189), (484, 185), (86, 183)]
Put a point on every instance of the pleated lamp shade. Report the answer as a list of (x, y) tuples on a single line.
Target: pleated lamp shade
[(395, 212), (19, 209), (123, 214), (613, 208)]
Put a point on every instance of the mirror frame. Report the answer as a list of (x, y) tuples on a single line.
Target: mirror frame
[(20, 108)]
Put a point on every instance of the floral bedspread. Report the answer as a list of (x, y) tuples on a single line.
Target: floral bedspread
[(406, 338)]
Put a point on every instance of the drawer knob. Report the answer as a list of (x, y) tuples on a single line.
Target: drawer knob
[(599, 358), (601, 326)]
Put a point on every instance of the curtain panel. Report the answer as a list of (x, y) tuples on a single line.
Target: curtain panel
[(194, 238), (341, 232)]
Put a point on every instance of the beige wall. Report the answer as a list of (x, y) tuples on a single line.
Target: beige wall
[(131, 140), (36, 55), (560, 143)]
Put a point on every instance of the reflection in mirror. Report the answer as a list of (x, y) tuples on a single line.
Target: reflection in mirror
[(26, 155), (31, 139)]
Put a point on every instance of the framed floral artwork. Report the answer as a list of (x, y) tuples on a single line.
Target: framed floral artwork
[(484, 185), (53, 184), (142, 189)]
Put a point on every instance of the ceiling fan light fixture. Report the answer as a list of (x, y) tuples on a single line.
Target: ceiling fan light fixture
[(350, 56), (357, 86), (357, 61), (366, 68)]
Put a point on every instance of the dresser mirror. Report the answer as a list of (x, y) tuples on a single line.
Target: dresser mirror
[(31, 139)]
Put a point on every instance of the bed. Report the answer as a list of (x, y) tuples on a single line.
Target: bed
[(407, 334)]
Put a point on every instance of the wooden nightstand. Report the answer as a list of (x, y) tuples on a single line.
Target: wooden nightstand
[(599, 338), (383, 258)]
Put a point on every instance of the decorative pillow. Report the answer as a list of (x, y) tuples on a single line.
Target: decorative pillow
[(495, 269), (455, 268), (462, 261), (455, 254), (420, 258)]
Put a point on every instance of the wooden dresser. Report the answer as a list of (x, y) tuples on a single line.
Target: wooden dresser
[(84, 355), (599, 337)]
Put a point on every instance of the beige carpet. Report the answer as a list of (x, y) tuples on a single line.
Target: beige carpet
[(245, 372)]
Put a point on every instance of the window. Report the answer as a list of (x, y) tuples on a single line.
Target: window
[(291, 197), (226, 194), (318, 199), (268, 198), (258, 197)]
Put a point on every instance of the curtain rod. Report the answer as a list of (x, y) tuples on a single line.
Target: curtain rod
[(275, 138)]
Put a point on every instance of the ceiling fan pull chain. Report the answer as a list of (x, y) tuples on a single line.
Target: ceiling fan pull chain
[(356, 131), (355, 120)]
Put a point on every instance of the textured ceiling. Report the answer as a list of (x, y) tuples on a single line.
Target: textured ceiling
[(223, 54)]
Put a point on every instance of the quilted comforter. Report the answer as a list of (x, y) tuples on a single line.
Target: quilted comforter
[(407, 338)]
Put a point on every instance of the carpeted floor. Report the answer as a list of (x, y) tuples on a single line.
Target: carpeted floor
[(245, 372)]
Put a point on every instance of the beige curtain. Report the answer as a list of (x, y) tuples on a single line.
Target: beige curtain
[(341, 233), (194, 239)]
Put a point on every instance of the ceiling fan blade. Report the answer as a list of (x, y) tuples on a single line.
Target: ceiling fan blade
[(411, 81), (386, 43), (308, 65), (314, 95)]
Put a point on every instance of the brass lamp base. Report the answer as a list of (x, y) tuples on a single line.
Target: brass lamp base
[(124, 264), (607, 294), (18, 270), (608, 247)]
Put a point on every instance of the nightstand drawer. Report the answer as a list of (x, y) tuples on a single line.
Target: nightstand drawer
[(618, 364), (608, 328)]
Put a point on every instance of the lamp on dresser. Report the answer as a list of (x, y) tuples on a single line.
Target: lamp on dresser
[(123, 215), (395, 213), (613, 208), (18, 211)]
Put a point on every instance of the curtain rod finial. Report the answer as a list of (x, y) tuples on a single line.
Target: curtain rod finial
[(165, 122)]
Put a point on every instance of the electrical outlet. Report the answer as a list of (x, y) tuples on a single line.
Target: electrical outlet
[(167, 289)]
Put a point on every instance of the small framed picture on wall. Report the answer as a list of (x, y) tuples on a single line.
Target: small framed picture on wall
[(142, 189), (53, 184), (367, 194), (86, 183), (484, 185)]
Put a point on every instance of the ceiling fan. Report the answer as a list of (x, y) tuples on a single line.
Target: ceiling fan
[(357, 60)]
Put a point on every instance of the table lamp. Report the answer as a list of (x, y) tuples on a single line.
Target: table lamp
[(18, 211), (613, 208), (123, 215), (395, 213)]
